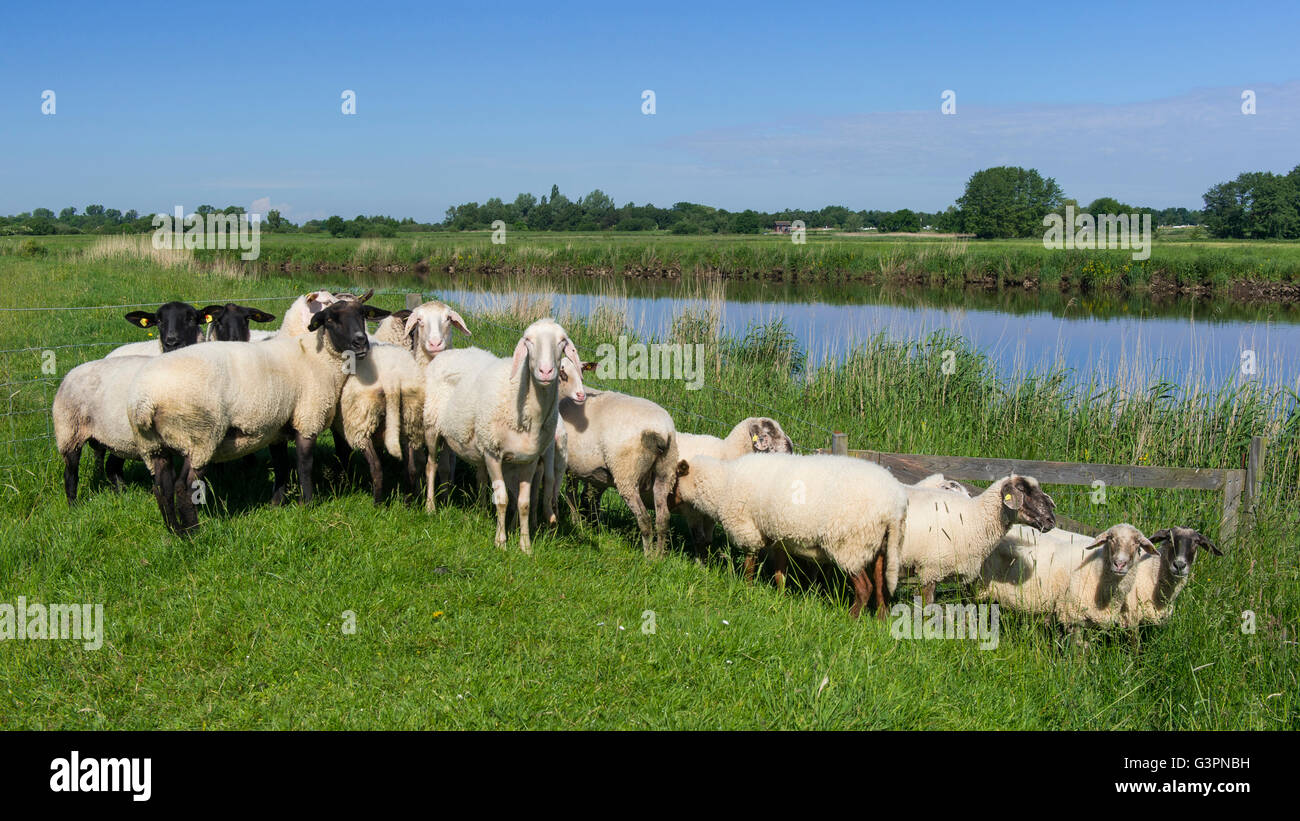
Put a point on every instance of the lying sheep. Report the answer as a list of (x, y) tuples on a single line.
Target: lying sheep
[(425, 330), (554, 464), (499, 414), (827, 508), (629, 443), (757, 434), (177, 324), (223, 400), (948, 534), (1160, 578), (1077, 581)]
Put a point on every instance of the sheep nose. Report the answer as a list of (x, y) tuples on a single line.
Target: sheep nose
[(1180, 565), (545, 373), (359, 339)]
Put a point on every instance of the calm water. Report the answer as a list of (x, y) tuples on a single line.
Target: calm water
[(1128, 339)]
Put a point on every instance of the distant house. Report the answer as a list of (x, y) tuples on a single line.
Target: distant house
[(782, 226)]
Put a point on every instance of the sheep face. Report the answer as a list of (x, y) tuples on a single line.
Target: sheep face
[(1026, 503), (1180, 549), (177, 324), (543, 344), (571, 382), (230, 321), (429, 326), (766, 436), (344, 322), (1122, 546)]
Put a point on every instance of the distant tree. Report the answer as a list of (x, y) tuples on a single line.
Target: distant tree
[(1007, 201), (336, 226)]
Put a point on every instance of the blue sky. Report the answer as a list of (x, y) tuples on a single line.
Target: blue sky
[(757, 105)]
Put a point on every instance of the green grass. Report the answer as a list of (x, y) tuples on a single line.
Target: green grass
[(1241, 269), (242, 626)]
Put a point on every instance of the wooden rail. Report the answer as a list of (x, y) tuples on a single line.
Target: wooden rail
[(1240, 488)]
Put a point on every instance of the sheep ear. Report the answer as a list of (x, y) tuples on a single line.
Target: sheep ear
[(1207, 544), (1012, 496), (318, 319), (1162, 535), (408, 326), (589, 366), (1101, 540), (683, 468), (261, 316), (212, 313), (142, 318), (458, 322), (371, 312), (571, 351), (521, 353), (1147, 545)]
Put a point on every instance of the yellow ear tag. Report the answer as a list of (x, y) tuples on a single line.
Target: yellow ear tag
[(754, 436), (1006, 498), (207, 318), (144, 323)]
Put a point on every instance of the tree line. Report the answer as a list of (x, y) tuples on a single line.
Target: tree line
[(1006, 201)]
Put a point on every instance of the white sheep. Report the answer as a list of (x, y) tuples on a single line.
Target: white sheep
[(1160, 578), (827, 508), (224, 400), (1077, 580), (424, 330), (90, 408), (554, 463), (756, 434), (498, 414), (949, 534), (383, 400), (629, 443)]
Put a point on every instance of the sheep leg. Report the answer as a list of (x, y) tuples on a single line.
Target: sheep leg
[(303, 445), (100, 452), (751, 563), (780, 562), (662, 488), (431, 471), (927, 593), (499, 496), (71, 464), (523, 495), (185, 485), (631, 494), (376, 470), (412, 470), (113, 470), (163, 487), (882, 609), (861, 591), (280, 470)]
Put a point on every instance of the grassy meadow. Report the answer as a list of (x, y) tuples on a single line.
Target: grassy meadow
[(242, 626), (1179, 263)]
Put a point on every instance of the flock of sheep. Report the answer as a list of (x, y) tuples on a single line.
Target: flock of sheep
[(525, 422)]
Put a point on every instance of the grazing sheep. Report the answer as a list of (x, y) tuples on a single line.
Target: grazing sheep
[(425, 330), (757, 434), (383, 401), (551, 469), (1160, 578), (499, 414), (827, 508), (229, 322), (1079, 581), (629, 443), (223, 400), (177, 324), (948, 534)]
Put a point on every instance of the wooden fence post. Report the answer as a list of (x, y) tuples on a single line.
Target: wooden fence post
[(1254, 479), (839, 444), (414, 300), (1232, 493)]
